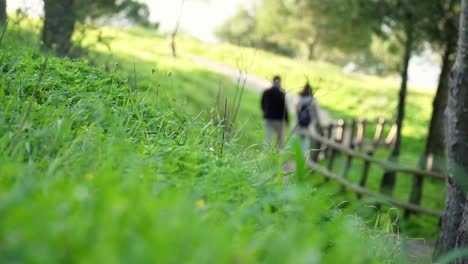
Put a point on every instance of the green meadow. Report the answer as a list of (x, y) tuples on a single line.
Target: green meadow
[(349, 96), (344, 95), (128, 156)]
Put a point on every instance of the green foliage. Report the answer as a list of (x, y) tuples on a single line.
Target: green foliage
[(262, 29), (440, 24), (101, 171), (240, 29), (135, 11), (337, 23), (349, 96), (292, 26), (343, 31), (431, 21)]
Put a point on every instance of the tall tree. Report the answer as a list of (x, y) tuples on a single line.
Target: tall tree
[(60, 17), (443, 36), (3, 14), (454, 230), (401, 17)]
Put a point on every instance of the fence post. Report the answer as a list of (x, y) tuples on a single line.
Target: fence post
[(375, 144), (338, 138), (379, 132), (390, 140), (361, 132), (328, 151), (349, 158)]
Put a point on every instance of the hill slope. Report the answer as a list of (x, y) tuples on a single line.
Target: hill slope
[(94, 169), (344, 95)]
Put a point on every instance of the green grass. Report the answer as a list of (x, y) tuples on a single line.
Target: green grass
[(195, 90), (345, 95), (95, 169), (348, 96)]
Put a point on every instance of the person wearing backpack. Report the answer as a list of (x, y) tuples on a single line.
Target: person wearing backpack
[(275, 113), (306, 112)]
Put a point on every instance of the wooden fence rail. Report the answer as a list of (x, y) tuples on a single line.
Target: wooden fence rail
[(361, 190), (349, 139)]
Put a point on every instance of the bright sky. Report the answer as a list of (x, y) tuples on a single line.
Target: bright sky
[(201, 17)]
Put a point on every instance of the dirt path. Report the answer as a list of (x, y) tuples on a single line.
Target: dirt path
[(254, 83)]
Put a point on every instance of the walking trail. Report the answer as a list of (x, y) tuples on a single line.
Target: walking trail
[(416, 250)]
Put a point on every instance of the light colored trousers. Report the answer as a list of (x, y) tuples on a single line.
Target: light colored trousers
[(307, 144), (278, 128)]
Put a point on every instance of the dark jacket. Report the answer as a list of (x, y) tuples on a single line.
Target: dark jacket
[(274, 105)]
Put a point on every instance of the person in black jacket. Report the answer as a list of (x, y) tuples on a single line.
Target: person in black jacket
[(275, 112)]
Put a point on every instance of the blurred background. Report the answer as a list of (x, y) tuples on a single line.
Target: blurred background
[(218, 20)]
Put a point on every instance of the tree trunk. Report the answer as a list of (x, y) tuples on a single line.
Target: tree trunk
[(453, 213), (435, 144), (176, 30), (3, 14), (389, 178), (173, 45), (311, 49), (454, 230), (59, 24), (433, 157)]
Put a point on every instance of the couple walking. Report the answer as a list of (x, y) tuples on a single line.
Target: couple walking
[(276, 116)]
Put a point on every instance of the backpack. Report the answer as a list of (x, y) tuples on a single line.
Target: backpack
[(303, 115)]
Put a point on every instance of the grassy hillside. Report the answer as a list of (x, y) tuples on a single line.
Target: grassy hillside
[(345, 95), (97, 169), (142, 60), (348, 96)]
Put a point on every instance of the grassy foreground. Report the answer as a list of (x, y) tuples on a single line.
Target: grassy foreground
[(95, 169)]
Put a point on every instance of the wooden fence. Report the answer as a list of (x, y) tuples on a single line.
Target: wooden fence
[(358, 141)]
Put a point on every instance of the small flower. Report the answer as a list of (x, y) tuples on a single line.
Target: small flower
[(200, 204), (88, 176)]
